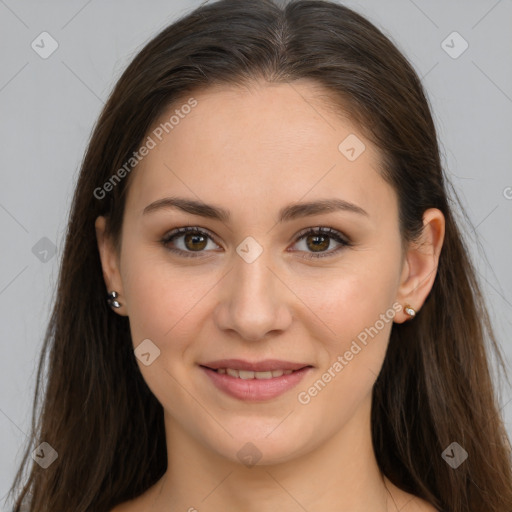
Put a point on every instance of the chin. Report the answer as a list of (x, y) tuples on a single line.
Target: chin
[(266, 442)]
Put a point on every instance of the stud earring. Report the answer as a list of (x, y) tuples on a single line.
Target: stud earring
[(410, 311), (112, 300)]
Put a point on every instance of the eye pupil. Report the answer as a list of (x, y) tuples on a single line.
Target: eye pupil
[(194, 238), (195, 242), (320, 245)]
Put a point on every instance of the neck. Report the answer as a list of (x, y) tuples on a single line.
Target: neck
[(338, 473)]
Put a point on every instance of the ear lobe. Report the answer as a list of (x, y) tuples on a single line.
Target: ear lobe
[(420, 265), (109, 262)]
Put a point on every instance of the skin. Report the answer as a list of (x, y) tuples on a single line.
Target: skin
[(253, 151)]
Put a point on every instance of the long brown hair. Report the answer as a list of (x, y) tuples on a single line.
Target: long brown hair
[(435, 386)]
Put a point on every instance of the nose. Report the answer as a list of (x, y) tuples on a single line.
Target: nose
[(254, 300)]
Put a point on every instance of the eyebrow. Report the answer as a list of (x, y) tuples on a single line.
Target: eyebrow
[(288, 213)]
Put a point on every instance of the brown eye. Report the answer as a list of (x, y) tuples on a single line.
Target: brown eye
[(318, 240), (194, 242), (187, 241)]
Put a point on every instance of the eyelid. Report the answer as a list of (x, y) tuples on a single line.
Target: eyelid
[(332, 233), (188, 229), (176, 233), (324, 230)]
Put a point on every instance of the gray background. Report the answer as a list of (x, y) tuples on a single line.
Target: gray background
[(48, 107)]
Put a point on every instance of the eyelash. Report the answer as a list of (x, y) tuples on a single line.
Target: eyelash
[(331, 233)]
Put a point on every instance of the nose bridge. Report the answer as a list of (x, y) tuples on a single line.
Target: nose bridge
[(253, 280), (253, 302)]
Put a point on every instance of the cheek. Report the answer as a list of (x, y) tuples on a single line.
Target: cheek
[(165, 303), (163, 299), (359, 312), (357, 307), (354, 296), (359, 317)]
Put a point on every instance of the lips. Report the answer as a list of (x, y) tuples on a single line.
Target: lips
[(247, 374), (256, 366), (255, 381)]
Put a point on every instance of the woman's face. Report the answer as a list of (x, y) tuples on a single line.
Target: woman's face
[(254, 286)]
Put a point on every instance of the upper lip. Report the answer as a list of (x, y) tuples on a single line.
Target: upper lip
[(255, 366)]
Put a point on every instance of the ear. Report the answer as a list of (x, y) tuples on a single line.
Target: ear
[(420, 264), (110, 264)]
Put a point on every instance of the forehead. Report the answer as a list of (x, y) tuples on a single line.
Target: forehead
[(255, 147)]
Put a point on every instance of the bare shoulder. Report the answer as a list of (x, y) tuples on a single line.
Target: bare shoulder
[(142, 502), (418, 505), (135, 505), (130, 506), (405, 502), (127, 506)]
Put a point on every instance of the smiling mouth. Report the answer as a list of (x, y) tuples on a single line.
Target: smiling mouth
[(270, 381), (247, 374)]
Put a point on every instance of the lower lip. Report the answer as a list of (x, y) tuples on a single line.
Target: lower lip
[(255, 389)]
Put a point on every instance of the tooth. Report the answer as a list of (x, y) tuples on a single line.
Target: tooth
[(265, 375), (247, 375)]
